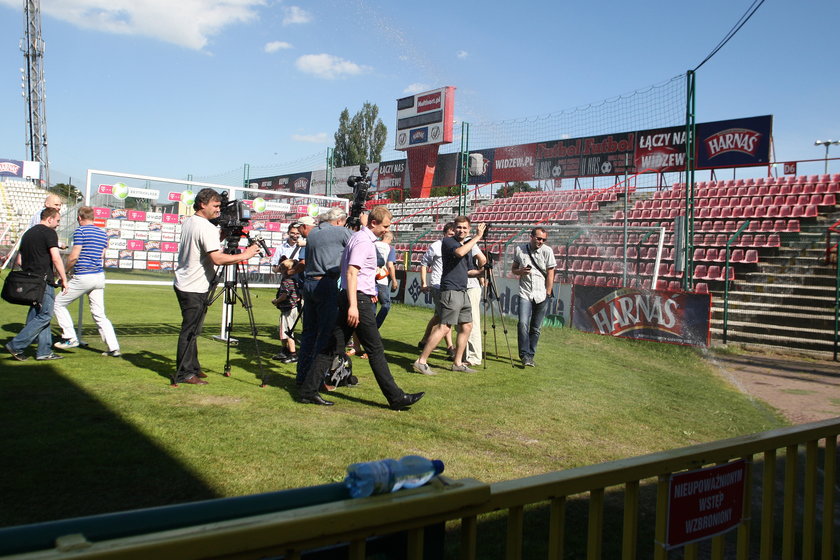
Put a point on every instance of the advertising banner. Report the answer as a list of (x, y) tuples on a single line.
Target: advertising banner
[(486, 174), (585, 157), (660, 150), (661, 316), (705, 502), (515, 163), (295, 183), (734, 142), (11, 168), (388, 175)]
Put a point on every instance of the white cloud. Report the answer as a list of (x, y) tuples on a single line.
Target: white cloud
[(328, 66), (275, 46), (296, 14), (462, 54), (416, 88), (317, 138), (188, 23)]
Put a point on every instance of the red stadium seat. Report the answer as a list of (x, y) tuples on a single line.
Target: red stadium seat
[(773, 240), (701, 288), (700, 271), (751, 256), (793, 226), (737, 256)]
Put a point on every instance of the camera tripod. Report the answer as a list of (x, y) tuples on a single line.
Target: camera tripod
[(230, 277), (489, 296)]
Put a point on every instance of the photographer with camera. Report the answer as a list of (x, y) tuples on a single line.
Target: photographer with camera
[(534, 264), (199, 253)]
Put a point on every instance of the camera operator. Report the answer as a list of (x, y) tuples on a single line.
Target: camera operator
[(324, 245), (199, 253)]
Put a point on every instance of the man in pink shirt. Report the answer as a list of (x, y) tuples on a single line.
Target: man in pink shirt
[(357, 312)]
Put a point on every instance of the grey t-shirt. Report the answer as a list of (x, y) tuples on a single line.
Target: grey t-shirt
[(195, 268), (532, 285), (323, 250)]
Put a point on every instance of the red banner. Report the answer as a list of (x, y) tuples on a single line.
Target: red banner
[(705, 503)]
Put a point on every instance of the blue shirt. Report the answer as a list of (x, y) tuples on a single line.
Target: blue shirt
[(93, 241)]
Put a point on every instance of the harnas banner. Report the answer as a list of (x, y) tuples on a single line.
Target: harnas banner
[(675, 317)]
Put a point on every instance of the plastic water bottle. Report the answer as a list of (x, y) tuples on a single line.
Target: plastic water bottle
[(389, 475)]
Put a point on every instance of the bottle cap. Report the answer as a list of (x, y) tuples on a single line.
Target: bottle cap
[(438, 464)]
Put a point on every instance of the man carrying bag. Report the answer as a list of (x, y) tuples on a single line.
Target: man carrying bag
[(38, 255)]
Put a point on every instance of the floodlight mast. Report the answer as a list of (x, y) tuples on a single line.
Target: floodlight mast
[(827, 144), (36, 118)]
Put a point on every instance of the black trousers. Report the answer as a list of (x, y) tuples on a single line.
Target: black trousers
[(193, 310), (368, 335)]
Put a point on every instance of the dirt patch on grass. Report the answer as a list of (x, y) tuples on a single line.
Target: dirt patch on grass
[(802, 388)]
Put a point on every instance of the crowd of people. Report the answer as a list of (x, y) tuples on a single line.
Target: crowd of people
[(331, 281)]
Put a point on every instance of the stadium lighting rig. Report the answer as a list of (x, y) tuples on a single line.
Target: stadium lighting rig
[(827, 144)]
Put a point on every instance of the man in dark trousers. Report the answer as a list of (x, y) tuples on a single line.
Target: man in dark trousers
[(324, 245), (38, 255), (199, 253), (357, 312)]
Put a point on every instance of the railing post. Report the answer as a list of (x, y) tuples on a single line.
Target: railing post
[(768, 500), (556, 528), (630, 531), (595, 531), (789, 508), (829, 480), (661, 529)]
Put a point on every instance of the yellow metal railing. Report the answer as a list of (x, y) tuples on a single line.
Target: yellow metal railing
[(793, 527)]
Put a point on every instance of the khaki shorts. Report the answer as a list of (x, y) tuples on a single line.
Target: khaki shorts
[(455, 307), (287, 320)]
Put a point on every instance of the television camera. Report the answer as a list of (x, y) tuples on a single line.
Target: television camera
[(360, 185), (235, 216)]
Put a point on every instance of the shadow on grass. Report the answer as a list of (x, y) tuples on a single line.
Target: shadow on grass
[(103, 463)]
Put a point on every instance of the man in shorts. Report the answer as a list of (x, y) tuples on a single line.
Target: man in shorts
[(454, 302)]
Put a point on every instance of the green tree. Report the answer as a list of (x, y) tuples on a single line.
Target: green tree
[(67, 192), (360, 139), (515, 187)]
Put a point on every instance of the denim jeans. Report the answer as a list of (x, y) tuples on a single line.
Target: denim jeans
[(37, 327), (320, 308), (384, 296), (531, 316), (368, 334)]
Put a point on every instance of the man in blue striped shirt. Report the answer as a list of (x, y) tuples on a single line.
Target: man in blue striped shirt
[(85, 260)]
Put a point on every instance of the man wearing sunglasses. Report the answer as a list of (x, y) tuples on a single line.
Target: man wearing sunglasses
[(533, 264)]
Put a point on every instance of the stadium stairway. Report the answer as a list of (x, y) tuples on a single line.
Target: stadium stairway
[(788, 301)]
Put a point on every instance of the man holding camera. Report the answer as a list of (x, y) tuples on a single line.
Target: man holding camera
[(534, 264), (455, 306), (199, 254), (357, 312)]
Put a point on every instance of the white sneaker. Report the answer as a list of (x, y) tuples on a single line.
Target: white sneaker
[(67, 343), (112, 353)]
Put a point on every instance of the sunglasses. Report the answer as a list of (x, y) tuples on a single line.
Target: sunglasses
[(539, 238)]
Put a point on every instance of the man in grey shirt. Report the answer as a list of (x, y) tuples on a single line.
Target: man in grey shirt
[(534, 264), (324, 246)]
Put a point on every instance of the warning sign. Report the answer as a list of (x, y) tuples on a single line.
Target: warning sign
[(705, 502)]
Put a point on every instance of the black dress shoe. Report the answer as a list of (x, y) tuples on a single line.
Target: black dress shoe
[(317, 399), (407, 400)]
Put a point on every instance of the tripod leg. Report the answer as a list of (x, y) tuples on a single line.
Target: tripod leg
[(245, 299), (494, 292)]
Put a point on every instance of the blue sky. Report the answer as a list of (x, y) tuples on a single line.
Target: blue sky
[(199, 87)]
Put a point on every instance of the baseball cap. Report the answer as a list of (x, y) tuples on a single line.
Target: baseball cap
[(305, 221)]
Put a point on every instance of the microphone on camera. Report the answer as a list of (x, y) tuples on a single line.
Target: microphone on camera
[(258, 238)]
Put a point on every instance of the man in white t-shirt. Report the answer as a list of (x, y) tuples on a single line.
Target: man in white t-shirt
[(199, 253), (387, 283)]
